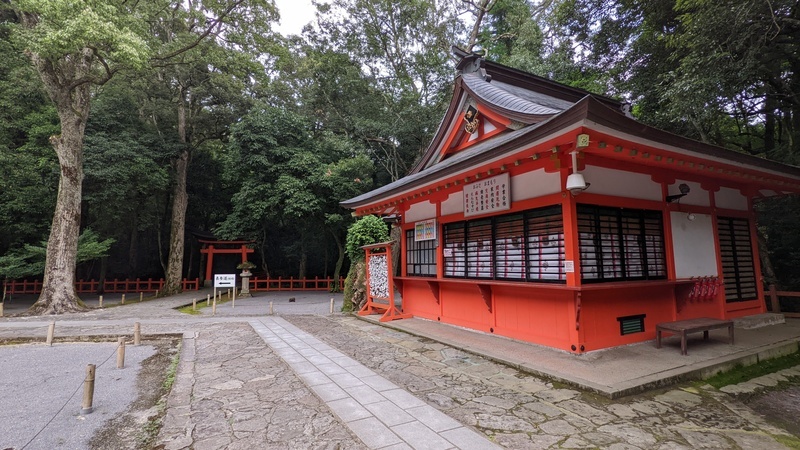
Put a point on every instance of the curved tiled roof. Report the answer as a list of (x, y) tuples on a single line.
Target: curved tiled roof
[(506, 100), (590, 112)]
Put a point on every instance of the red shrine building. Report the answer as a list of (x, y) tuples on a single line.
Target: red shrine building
[(548, 214)]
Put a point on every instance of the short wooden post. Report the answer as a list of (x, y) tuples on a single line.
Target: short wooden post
[(233, 300), (141, 295), (214, 307), (101, 301), (194, 304), (137, 333), (270, 308), (123, 299), (331, 306), (208, 299), (121, 353), (1, 308), (88, 390), (51, 330), (773, 299)]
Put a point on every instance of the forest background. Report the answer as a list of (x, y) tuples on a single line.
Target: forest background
[(203, 120)]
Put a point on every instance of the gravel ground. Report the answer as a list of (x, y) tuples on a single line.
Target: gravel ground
[(43, 388)]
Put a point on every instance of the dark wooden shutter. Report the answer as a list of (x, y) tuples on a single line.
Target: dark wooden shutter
[(738, 266)]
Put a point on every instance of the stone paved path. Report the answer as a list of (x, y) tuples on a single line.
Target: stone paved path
[(234, 392), (520, 411), (376, 410), (238, 386)]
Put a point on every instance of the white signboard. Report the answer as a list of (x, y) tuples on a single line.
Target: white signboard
[(224, 280), (487, 196)]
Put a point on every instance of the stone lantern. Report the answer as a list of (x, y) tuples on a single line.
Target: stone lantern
[(245, 275)]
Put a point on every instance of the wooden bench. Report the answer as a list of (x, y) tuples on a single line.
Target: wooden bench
[(684, 327)]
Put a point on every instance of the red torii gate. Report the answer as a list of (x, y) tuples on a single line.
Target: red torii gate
[(209, 248)]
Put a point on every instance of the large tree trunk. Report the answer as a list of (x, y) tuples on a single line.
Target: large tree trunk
[(180, 201), (72, 103), (337, 271), (262, 250)]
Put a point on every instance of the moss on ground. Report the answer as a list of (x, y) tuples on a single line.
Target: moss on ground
[(741, 374)]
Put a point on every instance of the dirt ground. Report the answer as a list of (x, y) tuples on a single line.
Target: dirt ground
[(138, 426)]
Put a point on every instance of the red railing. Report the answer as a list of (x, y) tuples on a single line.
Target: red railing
[(93, 286), (292, 284), (775, 303)]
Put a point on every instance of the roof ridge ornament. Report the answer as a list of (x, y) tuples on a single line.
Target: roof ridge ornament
[(472, 63)]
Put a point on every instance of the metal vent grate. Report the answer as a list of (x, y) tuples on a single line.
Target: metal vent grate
[(631, 324)]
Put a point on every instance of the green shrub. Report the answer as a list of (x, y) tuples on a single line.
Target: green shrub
[(367, 230)]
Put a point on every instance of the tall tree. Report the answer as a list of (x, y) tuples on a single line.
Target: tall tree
[(28, 166), (292, 177), (403, 51), (208, 88), (122, 201), (73, 45)]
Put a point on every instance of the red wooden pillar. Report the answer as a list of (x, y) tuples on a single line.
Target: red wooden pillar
[(572, 266), (210, 263)]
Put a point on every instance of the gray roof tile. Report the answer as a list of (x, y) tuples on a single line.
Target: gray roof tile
[(498, 94)]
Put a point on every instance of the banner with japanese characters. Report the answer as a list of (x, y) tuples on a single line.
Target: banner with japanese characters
[(487, 196)]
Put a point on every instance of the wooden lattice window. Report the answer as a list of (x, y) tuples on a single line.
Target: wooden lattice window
[(480, 263), (420, 256), (509, 247), (515, 247), (619, 244), (736, 253), (545, 236), (455, 262)]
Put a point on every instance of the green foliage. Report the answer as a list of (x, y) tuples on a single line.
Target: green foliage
[(29, 260), (289, 180), (381, 75), (246, 265), (349, 289), (367, 230), (66, 27)]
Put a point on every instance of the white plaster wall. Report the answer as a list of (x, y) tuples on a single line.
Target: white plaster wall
[(420, 211), (534, 184), (454, 204), (728, 198), (696, 196), (693, 245), (620, 183), (488, 126)]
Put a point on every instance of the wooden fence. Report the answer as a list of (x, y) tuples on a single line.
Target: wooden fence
[(774, 298), (292, 284), (93, 286), (151, 285)]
